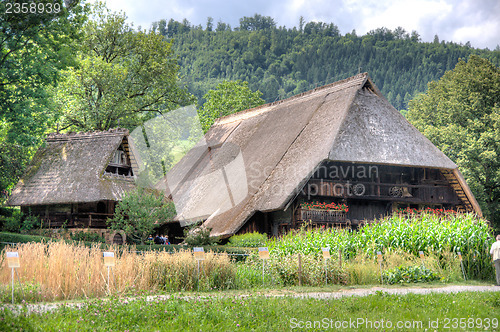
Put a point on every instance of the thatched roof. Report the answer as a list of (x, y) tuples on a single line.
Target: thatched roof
[(257, 160), (69, 168)]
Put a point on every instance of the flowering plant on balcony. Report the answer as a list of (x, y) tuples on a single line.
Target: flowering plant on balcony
[(427, 210), (324, 206)]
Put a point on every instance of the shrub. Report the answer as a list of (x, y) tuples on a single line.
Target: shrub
[(13, 223), (29, 223), (6, 237), (87, 237), (410, 274), (7, 211), (17, 222), (198, 236), (248, 240)]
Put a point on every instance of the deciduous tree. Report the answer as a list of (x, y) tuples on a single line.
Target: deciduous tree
[(122, 76), (36, 41), (140, 211), (460, 114), (229, 97)]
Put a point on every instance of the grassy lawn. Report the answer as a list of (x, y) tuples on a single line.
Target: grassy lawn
[(441, 312)]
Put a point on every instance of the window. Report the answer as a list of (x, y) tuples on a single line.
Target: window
[(119, 158)]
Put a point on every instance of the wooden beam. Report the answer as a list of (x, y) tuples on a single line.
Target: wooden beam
[(468, 192)]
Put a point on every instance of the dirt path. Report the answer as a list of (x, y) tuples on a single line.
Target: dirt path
[(398, 291), (41, 308)]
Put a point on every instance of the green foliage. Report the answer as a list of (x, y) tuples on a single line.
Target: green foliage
[(228, 98), (479, 311), (7, 237), (460, 114), (410, 274), (140, 211), (87, 237), (257, 22), (7, 211), (121, 74), (29, 223), (180, 272), (282, 62), (13, 160), (12, 223), (28, 292), (18, 222), (236, 254), (198, 236), (33, 49), (285, 271), (428, 232), (365, 272), (254, 239)]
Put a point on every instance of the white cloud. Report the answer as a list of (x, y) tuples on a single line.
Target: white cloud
[(477, 21), (404, 14), (482, 34)]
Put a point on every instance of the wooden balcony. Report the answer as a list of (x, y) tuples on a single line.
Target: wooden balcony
[(436, 192), (321, 215), (76, 220), (315, 218)]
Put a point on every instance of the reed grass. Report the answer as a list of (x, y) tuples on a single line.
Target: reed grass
[(60, 271)]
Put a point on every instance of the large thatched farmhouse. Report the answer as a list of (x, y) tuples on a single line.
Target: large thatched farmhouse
[(76, 179), (274, 167), (334, 156)]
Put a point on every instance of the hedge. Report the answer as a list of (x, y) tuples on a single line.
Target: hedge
[(6, 238)]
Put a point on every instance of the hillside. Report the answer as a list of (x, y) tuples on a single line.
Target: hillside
[(281, 62)]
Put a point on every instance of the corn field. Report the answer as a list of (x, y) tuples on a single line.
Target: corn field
[(427, 232)]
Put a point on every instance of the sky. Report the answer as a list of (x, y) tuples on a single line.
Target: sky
[(460, 21)]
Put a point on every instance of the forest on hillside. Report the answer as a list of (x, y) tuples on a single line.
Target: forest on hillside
[(282, 62), (85, 68)]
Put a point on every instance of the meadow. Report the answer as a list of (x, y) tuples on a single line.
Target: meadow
[(463, 311)]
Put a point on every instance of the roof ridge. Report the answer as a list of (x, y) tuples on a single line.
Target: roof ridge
[(51, 137), (248, 112)]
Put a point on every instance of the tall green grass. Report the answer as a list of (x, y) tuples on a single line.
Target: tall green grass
[(248, 240), (427, 232)]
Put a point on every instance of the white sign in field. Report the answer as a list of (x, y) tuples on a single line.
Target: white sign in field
[(13, 259), (263, 253), (326, 253), (199, 253), (109, 258)]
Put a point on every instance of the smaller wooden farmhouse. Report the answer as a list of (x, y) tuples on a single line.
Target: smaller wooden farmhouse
[(76, 179), (339, 155)]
